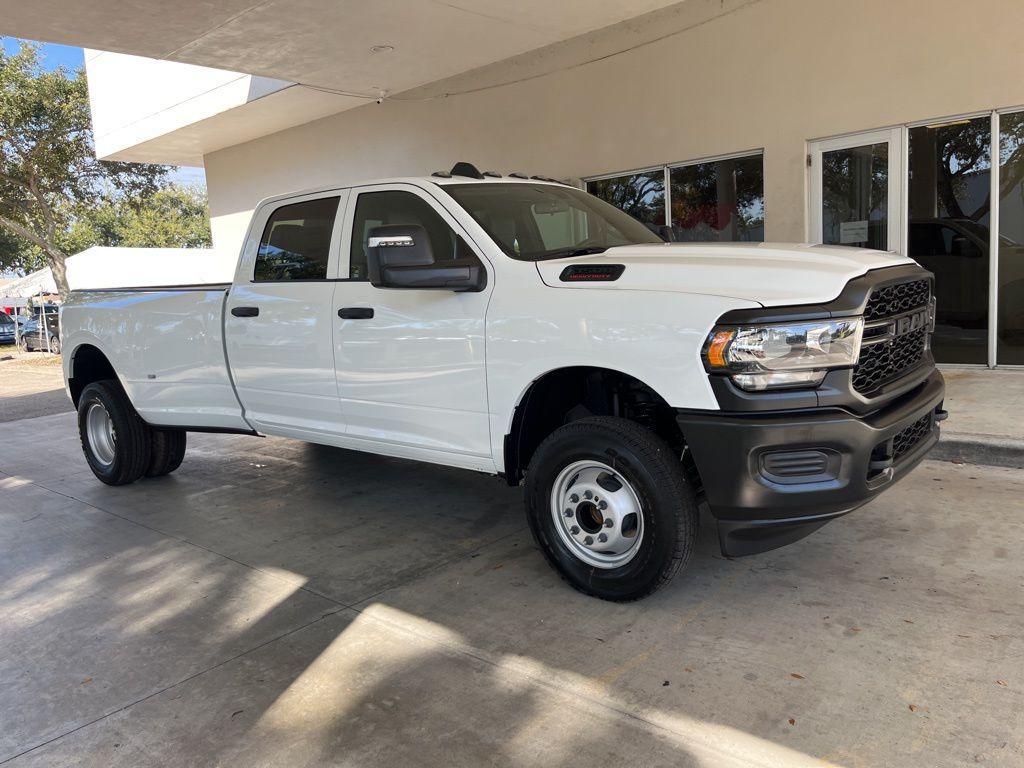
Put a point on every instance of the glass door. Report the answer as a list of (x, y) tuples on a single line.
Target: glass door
[(1010, 254), (855, 190), (949, 214)]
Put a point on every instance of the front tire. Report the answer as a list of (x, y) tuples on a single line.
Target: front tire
[(115, 440), (610, 507)]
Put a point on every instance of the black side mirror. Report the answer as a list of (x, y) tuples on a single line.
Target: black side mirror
[(400, 256)]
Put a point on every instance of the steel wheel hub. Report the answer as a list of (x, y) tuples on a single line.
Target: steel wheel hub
[(99, 430), (597, 514)]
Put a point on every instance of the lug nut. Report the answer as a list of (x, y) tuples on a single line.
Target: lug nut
[(574, 530), (603, 505), (568, 513), (589, 540), (603, 537), (588, 494), (574, 498), (608, 522)]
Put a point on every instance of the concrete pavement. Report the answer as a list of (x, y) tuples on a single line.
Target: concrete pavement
[(985, 425), (31, 384), (279, 604)]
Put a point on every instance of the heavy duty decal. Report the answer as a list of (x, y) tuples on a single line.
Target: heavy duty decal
[(592, 273)]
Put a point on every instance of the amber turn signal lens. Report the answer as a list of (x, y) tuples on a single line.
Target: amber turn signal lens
[(716, 349)]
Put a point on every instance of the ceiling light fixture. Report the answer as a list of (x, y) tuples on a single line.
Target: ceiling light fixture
[(381, 48)]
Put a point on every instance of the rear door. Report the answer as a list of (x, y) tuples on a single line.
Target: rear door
[(279, 319), (410, 362)]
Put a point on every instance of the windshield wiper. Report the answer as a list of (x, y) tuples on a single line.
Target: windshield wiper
[(570, 252)]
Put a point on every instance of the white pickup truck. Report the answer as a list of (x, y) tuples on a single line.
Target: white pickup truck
[(520, 327)]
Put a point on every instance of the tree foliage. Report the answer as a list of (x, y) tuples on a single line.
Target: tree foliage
[(49, 175), (641, 195), (172, 217)]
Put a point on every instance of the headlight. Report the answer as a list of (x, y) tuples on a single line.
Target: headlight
[(783, 355)]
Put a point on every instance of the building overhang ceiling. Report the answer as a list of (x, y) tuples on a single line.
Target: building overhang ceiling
[(348, 45)]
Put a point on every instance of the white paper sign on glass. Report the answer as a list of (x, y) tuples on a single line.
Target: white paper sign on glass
[(853, 232)]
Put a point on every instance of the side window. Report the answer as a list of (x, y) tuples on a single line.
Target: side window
[(296, 242), (376, 209)]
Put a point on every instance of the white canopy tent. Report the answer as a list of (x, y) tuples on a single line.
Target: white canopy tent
[(33, 284), (101, 267)]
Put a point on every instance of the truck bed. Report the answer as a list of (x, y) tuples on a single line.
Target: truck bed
[(167, 347)]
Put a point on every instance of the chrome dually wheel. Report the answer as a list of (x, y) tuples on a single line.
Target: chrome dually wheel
[(99, 430), (115, 439), (597, 514)]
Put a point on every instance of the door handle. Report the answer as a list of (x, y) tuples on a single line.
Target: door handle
[(355, 313), (245, 311)]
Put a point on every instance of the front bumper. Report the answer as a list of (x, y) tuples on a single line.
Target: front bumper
[(773, 478)]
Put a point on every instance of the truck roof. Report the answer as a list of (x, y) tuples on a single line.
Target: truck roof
[(438, 178)]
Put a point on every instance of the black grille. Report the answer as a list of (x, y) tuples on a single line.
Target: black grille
[(887, 361), (908, 437), (882, 363), (897, 299)]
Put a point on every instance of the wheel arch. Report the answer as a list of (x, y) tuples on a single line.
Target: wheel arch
[(563, 395), (87, 364)]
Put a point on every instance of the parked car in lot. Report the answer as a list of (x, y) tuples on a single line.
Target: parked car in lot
[(7, 327), (524, 328), (34, 339)]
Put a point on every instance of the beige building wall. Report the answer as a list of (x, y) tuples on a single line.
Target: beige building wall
[(768, 74)]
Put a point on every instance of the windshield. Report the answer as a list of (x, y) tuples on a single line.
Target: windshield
[(5, 319), (542, 221)]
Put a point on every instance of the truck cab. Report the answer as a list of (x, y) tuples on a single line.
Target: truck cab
[(521, 327)]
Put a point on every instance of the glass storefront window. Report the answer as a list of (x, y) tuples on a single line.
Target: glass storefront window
[(855, 196), (641, 195), (721, 200), (1010, 317), (949, 203)]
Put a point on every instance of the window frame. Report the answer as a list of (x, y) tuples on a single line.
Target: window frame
[(246, 271), (345, 260), (896, 188), (667, 168)]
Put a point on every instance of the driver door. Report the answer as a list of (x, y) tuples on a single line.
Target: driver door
[(410, 362)]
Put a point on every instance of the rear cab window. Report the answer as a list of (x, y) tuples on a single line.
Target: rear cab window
[(296, 241)]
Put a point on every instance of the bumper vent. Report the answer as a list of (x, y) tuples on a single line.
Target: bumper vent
[(907, 438), (789, 467)]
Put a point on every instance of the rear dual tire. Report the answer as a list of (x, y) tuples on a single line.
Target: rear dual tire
[(119, 446), (168, 451), (609, 477)]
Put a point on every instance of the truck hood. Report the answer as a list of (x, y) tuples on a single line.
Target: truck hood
[(770, 274)]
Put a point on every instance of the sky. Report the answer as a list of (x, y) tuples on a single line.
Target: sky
[(71, 57)]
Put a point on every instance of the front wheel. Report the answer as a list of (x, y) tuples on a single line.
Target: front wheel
[(610, 507), (115, 440)]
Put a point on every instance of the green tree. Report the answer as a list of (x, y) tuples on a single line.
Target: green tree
[(16, 255), (172, 217), (49, 174)]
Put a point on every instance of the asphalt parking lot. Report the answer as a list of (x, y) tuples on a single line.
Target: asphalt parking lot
[(279, 604)]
